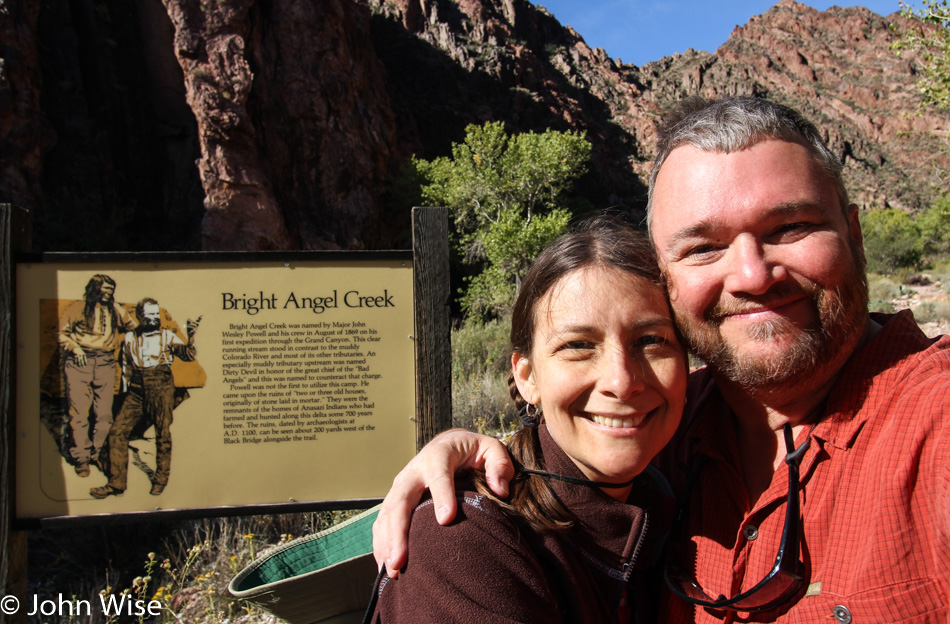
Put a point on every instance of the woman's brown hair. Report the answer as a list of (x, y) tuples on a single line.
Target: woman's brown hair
[(599, 242)]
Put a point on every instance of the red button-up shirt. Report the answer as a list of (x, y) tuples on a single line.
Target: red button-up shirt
[(875, 494)]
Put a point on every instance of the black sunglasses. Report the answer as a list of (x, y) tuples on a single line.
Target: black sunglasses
[(787, 575)]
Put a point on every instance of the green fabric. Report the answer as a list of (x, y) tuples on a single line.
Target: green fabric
[(341, 542), (325, 578)]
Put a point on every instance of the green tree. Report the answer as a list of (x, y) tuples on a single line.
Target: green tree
[(895, 239), (934, 225), (931, 42), (891, 240), (506, 198)]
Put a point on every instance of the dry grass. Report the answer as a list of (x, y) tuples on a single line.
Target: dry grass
[(480, 369), (932, 312), (481, 402), (185, 566)]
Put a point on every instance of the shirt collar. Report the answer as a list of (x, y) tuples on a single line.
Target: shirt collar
[(880, 363)]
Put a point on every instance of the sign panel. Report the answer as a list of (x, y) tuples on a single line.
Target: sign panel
[(194, 384)]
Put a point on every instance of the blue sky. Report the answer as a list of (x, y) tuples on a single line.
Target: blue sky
[(639, 31)]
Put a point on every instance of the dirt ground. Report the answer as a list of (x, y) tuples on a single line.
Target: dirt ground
[(927, 290)]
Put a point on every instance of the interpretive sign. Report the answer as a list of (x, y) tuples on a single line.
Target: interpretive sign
[(188, 382)]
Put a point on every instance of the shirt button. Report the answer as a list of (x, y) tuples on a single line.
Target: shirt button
[(750, 532), (842, 614)]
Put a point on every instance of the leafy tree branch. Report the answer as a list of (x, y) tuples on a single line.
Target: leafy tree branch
[(505, 195)]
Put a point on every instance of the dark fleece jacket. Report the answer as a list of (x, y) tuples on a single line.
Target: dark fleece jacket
[(486, 567)]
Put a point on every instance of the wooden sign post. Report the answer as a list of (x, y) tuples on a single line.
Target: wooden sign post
[(430, 240), (15, 234)]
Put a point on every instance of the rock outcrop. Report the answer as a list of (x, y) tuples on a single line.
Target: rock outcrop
[(838, 68), (97, 138), (24, 133), (296, 130)]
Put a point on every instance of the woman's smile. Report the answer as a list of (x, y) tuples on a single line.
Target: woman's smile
[(620, 422)]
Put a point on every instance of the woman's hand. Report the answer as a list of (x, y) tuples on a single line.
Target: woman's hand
[(434, 468)]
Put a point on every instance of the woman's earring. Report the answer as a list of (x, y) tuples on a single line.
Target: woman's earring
[(530, 415)]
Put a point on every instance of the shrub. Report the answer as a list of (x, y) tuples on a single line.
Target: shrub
[(891, 240), (934, 225), (480, 402), (480, 368), (883, 306), (895, 240), (880, 293), (932, 312), (882, 288), (481, 346)]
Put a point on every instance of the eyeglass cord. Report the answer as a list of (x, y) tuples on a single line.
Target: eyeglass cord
[(575, 480)]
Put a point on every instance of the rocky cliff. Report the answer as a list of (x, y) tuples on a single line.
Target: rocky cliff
[(253, 124), (296, 128), (838, 68)]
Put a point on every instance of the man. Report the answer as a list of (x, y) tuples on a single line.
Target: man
[(147, 356), (763, 258), (89, 336)]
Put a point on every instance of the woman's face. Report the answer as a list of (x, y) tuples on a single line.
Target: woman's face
[(607, 370)]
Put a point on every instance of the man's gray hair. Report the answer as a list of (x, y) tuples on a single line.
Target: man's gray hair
[(731, 124)]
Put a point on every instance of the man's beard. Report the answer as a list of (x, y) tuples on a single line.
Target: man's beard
[(841, 314), (149, 326)]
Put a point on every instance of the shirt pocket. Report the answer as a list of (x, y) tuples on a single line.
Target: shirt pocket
[(917, 601)]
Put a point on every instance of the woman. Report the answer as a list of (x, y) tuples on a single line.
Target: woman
[(599, 372)]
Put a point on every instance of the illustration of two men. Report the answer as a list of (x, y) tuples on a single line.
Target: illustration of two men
[(89, 337)]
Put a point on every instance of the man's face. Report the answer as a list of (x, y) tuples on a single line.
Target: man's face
[(106, 293), (765, 271), (151, 320)]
